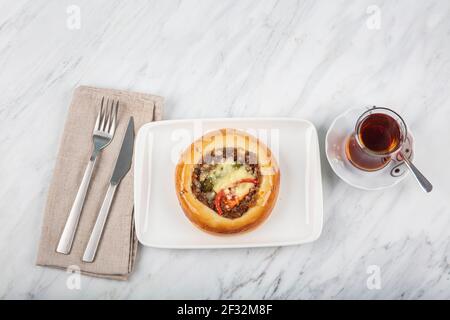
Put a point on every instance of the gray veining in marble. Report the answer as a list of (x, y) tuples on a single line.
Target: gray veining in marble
[(304, 59)]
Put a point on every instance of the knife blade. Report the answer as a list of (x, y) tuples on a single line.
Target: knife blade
[(123, 165)]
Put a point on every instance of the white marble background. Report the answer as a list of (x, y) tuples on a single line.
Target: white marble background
[(303, 59)]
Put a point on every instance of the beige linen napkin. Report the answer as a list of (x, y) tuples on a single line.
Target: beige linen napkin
[(117, 251)]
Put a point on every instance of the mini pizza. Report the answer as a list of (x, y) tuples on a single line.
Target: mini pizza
[(227, 182)]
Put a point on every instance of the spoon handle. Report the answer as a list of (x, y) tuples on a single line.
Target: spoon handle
[(424, 183)]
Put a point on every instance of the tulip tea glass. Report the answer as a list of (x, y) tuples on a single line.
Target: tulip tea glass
[(378, 137)]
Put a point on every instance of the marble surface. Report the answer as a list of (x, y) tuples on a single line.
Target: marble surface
[(300, 59)]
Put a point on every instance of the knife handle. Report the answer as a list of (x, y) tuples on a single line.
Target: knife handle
[(66, 240), (96, 234)]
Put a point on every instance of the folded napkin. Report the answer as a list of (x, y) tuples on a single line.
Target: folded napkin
[(117, 250)]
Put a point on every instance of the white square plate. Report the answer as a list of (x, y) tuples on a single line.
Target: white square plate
[(298, 213)]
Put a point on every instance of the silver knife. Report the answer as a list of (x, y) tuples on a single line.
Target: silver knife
[(123, 165)]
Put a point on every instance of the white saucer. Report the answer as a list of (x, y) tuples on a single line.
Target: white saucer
[(335, 142)]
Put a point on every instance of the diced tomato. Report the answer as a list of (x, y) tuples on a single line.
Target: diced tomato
[(248, 180), (218, 200), (233, 201)]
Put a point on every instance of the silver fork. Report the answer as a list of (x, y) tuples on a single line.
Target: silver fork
[(103, 133)]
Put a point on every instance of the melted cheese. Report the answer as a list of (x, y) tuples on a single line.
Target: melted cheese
[(225, 174), (242, 189)]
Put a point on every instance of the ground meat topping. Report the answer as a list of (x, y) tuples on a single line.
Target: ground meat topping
[(227, 181)]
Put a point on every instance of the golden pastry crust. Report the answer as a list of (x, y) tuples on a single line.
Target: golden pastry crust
[(203, 216)]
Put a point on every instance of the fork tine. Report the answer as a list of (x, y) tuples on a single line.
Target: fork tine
[(97, 122), (114, 118), (109, 119), (107, 115), (103, 117)]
